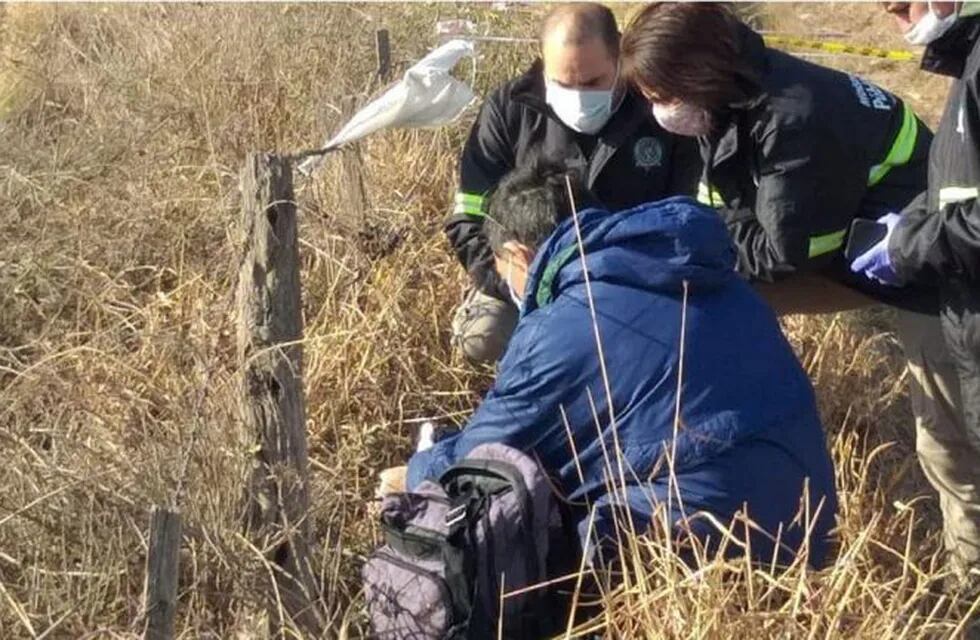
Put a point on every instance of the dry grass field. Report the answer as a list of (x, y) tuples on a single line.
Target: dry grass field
[(122, 132)]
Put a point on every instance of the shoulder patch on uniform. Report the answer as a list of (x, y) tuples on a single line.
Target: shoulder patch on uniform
[(871, 95), (648, 152)]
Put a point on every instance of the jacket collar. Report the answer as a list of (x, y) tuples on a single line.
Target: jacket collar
[(655, 246), (947, 56), (752, 49), (723, 143), (528, 88)]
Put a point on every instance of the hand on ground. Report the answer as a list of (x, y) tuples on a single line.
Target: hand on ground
[(391, 480)]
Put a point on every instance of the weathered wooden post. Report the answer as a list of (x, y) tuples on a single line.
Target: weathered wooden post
[(160, 593), (353, 197), (382, 52), (270, 330)]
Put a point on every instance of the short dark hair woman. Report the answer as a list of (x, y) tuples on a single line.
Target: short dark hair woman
[(688, 54), (793, 151)]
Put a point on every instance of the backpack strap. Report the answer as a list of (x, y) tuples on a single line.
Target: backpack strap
[(471, 484), (457, 568), (515, 481), (458, 560)]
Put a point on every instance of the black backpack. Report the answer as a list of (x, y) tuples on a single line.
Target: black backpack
[(490, 526)]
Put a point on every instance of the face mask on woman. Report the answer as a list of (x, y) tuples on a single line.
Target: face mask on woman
[(929, 28), (683, 119)]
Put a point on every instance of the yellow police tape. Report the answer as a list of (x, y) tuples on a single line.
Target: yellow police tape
[(841, 47)]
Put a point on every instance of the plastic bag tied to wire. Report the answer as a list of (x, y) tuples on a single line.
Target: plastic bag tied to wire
[(427, 96)]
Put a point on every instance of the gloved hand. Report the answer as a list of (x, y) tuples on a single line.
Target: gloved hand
[(430, 433), (426, 436), (875, 263)]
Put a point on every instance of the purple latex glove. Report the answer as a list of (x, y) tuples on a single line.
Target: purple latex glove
[(875, 263)]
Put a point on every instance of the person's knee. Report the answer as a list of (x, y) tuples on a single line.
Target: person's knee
[(923, 341), (480, 348), (482, 327)]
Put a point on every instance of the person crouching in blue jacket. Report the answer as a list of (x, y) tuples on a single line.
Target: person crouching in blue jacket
[(748, 435)]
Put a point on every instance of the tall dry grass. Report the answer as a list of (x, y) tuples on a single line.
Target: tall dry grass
[(123, 129)]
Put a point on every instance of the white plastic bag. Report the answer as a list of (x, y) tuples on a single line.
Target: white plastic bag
[(427, 96)]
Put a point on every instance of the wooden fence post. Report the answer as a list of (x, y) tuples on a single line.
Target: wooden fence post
[(353, 196), (160, 594), (270, 328), (382, 50)]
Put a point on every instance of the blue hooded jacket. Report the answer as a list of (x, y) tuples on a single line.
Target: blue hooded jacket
[(748, 429)]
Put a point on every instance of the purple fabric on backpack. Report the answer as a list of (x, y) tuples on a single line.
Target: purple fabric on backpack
[(405, 592), (504, 519)]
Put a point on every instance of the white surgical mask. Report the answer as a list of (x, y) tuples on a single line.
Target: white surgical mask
[(585, 111), (930, 28), (517, 300), (683, 119)]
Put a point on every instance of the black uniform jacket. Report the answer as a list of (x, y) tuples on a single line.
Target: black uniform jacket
[(630, 161), (793, 166), (938, 239)]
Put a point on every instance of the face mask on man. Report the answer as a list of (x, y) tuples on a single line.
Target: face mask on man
[(585, 111), (683, 119), (929, 28)]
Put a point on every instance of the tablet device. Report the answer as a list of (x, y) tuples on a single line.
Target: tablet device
[(863, 235)]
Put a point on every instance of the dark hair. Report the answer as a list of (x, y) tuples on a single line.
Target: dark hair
[(531, 200), (688, 52), (584, 21)]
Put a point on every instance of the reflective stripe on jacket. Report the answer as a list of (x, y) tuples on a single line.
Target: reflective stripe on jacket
[(796, 164), (939, 236)]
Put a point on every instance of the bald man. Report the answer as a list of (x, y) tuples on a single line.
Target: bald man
[(570, 103)]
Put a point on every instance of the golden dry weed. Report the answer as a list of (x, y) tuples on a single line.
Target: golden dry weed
[(123, 130)]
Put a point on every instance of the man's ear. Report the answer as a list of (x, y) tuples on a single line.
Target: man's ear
[(521, 255)]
